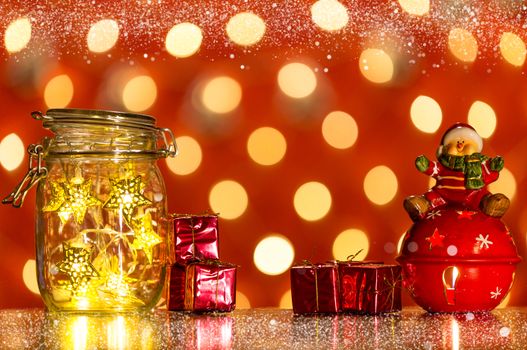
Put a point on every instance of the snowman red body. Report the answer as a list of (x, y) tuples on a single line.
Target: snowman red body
[(449, 182), (458, 256)]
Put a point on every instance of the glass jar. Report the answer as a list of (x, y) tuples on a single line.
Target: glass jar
[(101, 200)]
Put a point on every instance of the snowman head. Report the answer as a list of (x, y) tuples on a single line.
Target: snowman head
[(460, 140)]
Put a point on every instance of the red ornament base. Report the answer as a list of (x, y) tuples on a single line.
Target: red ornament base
[(458, 260)]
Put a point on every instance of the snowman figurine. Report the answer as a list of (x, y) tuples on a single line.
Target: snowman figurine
[(462, 175)]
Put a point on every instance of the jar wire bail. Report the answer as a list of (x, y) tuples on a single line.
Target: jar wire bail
[(36, 172)]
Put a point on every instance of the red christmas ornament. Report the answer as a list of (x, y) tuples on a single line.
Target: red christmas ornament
[(473, 269)]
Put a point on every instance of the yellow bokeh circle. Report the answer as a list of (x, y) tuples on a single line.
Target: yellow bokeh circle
[(266, 146), (12, 152), (350, 242), (415, 7), (29, 275), (426, 114), (329, 15), (297, 80), (228, 198), (58, 92), (245, 29), (242, 301), (505, 184), (376, 66), (312, 201), (189, 157), (340, 130), (17, 35), (274, 255), (380, 185), (513, 49), (482, 117), (463, 45), (139, 93), (286, 301), (103, 35), (221, 95), (183, 40)]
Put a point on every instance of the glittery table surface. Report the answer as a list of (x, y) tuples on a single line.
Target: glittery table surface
[(263, 329)]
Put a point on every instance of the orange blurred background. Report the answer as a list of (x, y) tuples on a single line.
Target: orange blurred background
[(298, 121)]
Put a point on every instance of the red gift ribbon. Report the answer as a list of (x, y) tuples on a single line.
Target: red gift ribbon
[(193, 236), (314, 267), (353, 256)]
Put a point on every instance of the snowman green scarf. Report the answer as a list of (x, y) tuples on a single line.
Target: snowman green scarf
[(470, 165)]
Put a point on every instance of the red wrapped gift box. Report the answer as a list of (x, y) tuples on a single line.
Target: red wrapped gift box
[(176, 287), (370, 288), (210, 286), (315, 288), (195, 237)]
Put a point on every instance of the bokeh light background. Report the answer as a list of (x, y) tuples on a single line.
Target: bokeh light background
[(298, 121)]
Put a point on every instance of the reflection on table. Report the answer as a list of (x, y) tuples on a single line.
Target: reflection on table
[(262, 329)]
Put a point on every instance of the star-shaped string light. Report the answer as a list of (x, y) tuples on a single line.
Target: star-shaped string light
[(145, 236), (126, 195), (77, 266), (436, 239), (115, 286), (71, 198)]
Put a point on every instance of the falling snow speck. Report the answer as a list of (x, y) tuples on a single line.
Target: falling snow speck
[(469, 316)]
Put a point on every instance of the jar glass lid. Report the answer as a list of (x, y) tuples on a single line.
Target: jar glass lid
[(95, 117)]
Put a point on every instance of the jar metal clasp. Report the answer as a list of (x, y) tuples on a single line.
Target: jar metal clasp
[(36, 172), (170, 146)]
